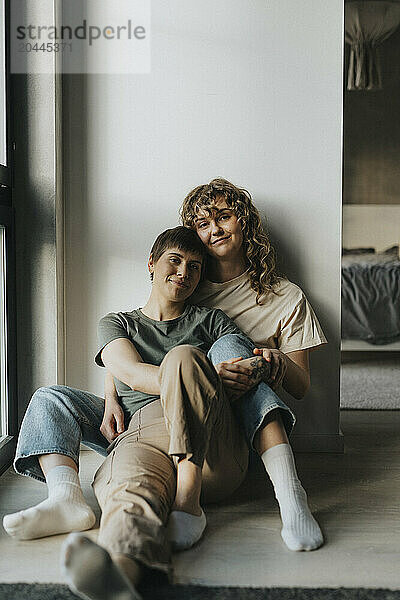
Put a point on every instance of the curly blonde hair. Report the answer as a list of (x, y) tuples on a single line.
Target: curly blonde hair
[(259, 252)]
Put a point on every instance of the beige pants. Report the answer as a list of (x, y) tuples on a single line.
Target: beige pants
[(136, 484)]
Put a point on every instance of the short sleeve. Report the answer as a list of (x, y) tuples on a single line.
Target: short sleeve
[(111, 327), (223, 325), (300, 329)]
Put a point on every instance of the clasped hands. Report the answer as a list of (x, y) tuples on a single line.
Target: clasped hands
[(236, 374)]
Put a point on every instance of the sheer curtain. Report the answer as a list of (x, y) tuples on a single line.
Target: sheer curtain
[(367, 25)]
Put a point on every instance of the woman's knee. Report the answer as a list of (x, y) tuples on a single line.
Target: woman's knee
[(229, 346), (46, 398), (183, 355), (54, 405), (42, 398), (137, 474), (189, 363)]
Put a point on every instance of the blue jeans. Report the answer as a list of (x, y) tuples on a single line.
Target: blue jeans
[(252, 408), (59, 418)]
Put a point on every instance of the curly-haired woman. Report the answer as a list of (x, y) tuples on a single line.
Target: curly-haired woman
[(242, 281)]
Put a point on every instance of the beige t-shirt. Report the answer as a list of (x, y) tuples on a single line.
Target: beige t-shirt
[(285, 320)]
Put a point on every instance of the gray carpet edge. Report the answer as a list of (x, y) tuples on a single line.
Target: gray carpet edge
[(41, 591), (370, 384)]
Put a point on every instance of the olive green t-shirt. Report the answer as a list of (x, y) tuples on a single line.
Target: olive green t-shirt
[(197, 326)]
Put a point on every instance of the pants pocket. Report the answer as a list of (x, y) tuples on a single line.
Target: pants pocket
[(102, 478)]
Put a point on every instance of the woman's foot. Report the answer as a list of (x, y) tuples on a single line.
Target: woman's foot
[(65, 509), (185, 529), (187, 520), (300, 531), (91, 573)]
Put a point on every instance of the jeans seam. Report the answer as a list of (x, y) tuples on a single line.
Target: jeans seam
[(85, 421)]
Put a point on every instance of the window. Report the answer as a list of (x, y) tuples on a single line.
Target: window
[(8, 402)]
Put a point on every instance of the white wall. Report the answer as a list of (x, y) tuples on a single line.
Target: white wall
[(250, 91), (35, 197), (371, 225)]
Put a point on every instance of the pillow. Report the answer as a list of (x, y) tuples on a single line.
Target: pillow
[(392, 251), (357, 251), (379, 258)]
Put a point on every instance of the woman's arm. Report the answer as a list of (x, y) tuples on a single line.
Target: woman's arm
[(113, 418), (123, 360), (110, 391), (292, 370), (297, 378)]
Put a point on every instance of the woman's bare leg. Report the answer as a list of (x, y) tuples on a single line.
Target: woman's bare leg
[(271, 433), (188, 487), (49, 461)]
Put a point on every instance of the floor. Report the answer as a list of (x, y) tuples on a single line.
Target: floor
[(354, 496), (370, 380)]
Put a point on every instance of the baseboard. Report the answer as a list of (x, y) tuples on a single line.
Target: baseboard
[(362, 346), (318, 442)]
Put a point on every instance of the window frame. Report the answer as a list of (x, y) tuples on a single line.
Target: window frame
[(8, 443), (5, 170), (7, 220)]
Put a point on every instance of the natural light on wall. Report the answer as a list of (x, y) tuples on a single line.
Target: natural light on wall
[(3, 336)]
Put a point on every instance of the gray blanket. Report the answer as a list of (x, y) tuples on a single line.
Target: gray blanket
[(371, 300)]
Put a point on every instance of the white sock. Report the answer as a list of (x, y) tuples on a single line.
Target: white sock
[(300, 530), (90, 572), (184, 529), (64, 510)]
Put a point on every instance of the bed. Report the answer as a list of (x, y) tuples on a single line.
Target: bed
[(371, 278)]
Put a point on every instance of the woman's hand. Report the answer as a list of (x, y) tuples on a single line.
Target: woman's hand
[(235, 377), (113, 421), (278, 362)]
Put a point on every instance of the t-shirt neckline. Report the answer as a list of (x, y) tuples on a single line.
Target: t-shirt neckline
[(238, 279), (168, 321)]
